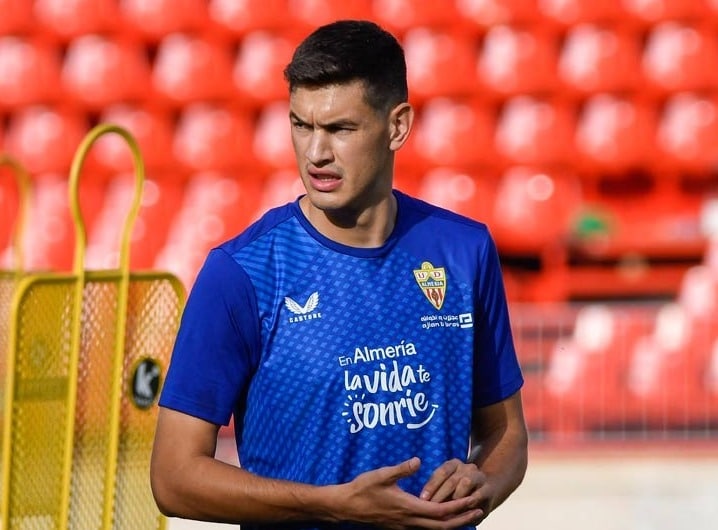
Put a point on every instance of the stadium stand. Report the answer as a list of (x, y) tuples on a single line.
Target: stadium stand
[(190, 69), (517, 60), (29, 72), (45, 138), (153, 128), (211, 137), (100, 71), (439, 63), (259, 65), (597, 58), (153, 19), (64, 21), (235, 18)]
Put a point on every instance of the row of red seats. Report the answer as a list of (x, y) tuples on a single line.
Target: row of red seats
[(625, 366), (98, 70), (530, 213), (607, 134), (155, 18)]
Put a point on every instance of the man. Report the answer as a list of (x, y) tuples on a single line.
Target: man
[(360, 337)]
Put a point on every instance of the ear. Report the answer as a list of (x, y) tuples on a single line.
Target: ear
[(401, 118)]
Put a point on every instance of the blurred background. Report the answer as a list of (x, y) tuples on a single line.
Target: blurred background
[(584, 133)]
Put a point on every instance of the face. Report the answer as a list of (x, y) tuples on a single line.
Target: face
[(344, 148)]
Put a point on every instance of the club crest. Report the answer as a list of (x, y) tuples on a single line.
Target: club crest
[(432, 281)]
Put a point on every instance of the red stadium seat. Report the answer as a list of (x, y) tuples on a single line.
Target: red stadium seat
[(569, 13), (649, 12), (161, 199), (698, 294), (215, 207), (688, 133), (272, 143), (213, 138), (8, 214), (678, 57), (99, 71), (710, 258), (599, 59), (615, 134), (453, 132), (103, 237), (399, 16), (49, 229), (45, 139), (486, 14), (439, 63), (535, 131), (189, 69), (49, 242), (29, 72), (307, 15), (711, 380), (67, 20), (258, 72), (585, 382), (278, 188), (516, 61), (17, 16), (466, 193), (153, 130), (154, 19), (667, 370), (533, 210), (239, 17)]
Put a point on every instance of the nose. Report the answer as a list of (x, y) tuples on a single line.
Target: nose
[(319, 150)]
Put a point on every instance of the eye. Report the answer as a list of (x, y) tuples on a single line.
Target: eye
[(340, 129), (300, 125)]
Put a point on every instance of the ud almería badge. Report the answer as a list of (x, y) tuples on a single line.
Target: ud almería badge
[(432, 281)]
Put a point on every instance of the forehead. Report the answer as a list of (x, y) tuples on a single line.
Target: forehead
[(330, 102)]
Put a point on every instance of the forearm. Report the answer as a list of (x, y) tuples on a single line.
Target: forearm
[(187, 481), (500, 442), (504, 459), (207, 489)]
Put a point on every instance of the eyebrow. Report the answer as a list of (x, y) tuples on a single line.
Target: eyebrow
[(341, 122)]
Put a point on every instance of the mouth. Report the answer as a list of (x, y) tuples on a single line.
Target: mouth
[(324, 180)]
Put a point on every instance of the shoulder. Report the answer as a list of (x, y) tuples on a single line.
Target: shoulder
[(269, 222), (431, 218)]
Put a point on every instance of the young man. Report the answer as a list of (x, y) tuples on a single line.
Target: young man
[(360, 337)]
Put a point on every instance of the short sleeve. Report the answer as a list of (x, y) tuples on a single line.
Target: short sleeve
[(496, 367), (217, 345)]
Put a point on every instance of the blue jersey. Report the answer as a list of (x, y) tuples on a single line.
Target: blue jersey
[(337, 360)]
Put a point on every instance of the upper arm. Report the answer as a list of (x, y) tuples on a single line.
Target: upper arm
[(217, 345), (497, 372)]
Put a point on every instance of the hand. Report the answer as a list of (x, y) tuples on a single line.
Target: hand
[(457, 480), (375, 498)]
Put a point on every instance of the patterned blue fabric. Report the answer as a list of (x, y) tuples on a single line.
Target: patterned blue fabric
[(340, 360)]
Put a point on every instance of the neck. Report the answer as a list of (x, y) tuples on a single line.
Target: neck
[(367, 228)]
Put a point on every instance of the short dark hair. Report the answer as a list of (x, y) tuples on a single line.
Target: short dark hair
[(352, 50)]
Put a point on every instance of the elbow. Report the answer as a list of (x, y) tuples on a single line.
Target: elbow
[(162, 497), (163, 493)]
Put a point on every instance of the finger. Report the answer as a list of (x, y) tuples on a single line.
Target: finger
[(437, 480), (447, 515), (465, 486), (390, 474), (446, 490), (471, 481)]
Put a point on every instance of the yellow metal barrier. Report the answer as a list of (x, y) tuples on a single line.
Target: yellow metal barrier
[(88, 351), (9, 278)]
